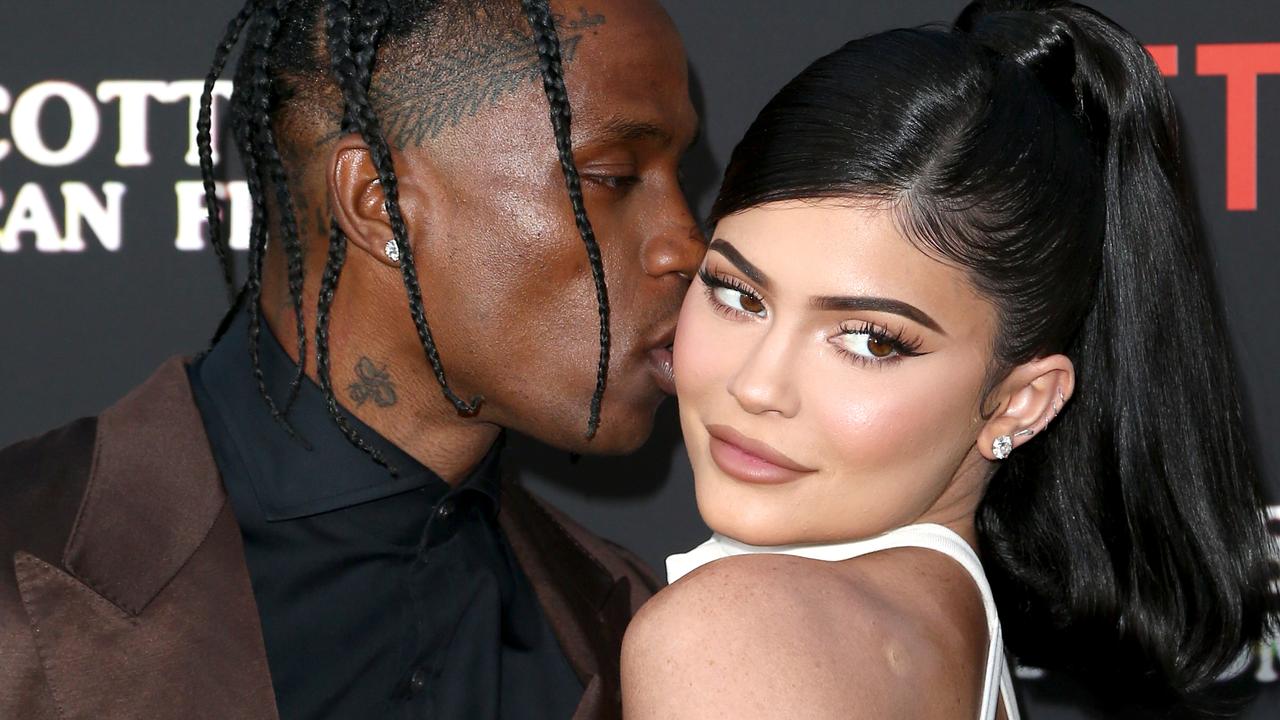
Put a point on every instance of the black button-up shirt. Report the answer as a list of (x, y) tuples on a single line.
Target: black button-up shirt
[(380, 596)]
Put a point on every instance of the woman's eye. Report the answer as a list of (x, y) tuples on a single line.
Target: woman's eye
[(739, 301), (868, 345)]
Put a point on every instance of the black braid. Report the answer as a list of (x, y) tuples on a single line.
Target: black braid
[(549, 60), (352, 51), (257, 113), (364, 39), (204, 145), (229, 317), (339, 23), (291, 242), (328, 287)]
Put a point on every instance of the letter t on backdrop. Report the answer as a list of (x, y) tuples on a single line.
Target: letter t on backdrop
[(1241, 63)]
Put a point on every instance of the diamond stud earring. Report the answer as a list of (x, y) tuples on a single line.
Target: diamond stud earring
[(1002, 446), (392, 250)]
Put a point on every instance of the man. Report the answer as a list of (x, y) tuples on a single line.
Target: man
[(309, 521)]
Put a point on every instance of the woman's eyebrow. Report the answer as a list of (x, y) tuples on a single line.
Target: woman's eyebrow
[(828, 302), (731, 254), (877, 304)]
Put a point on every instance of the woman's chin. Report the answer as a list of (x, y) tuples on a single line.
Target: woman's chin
[(749, 528), (739, 516)]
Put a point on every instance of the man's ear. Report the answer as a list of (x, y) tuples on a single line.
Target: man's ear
[(1028, 399), (359, 205)]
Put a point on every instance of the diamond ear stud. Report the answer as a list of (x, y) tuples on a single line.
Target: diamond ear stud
[(1002, 447), (392, 250)]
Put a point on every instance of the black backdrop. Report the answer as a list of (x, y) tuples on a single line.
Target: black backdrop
[(103, 273)]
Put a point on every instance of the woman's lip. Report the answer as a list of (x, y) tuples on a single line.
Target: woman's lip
[(751, 460), (662, 368)]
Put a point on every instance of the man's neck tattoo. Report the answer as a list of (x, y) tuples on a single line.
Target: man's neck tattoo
[(372, 383)]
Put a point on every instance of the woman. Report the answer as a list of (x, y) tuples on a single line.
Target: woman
[(956, 301)]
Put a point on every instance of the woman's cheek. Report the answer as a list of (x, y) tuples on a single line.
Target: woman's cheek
[(871, 420), (893, 431), (856, 419), (696, 352)]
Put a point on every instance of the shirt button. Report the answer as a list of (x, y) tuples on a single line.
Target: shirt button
[(445, 510), (417, 682)]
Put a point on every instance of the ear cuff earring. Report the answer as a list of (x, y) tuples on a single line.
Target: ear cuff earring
[(392, 250), (1057, 408)]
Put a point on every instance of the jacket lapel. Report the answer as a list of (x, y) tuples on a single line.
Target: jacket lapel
[(151, 613), (587, 606)]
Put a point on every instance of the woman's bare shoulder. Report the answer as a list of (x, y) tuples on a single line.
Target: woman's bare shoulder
[(774, 636)]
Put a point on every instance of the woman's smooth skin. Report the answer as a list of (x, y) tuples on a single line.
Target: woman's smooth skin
[(833, 382)]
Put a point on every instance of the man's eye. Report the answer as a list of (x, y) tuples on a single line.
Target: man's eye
[(621, 181), (613, 181)]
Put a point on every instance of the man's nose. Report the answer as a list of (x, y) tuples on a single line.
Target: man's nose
[(676, 250)]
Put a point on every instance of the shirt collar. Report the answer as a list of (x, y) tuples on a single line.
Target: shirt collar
[(292, 479)]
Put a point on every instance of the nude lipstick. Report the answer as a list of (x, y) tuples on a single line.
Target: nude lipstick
[(748, 460)]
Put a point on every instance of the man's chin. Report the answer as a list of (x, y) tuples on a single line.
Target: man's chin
[(614, 441), (621, 433)]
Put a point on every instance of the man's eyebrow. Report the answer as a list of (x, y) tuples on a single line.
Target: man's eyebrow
[(731, 254), (877, 304), (633, 130)]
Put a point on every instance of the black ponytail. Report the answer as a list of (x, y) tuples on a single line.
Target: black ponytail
[(1036, 145), (1157, 416)]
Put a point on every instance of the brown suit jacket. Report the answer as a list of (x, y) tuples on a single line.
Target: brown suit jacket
[(124, 591)]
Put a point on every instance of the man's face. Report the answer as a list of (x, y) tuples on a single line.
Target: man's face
[(506, 280)]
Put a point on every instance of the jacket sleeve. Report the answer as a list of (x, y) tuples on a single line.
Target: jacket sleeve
[(41, 483)]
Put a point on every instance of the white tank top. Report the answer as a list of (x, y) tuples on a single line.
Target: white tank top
[(997, 682)]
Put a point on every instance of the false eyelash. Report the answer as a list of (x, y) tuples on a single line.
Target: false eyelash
[(902, 346), (713, 281)]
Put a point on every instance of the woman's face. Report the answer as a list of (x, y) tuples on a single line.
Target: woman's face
[(829, 376)]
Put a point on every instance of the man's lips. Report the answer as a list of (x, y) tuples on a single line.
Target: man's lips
[(662, 368), (751, 460), (661, 361)]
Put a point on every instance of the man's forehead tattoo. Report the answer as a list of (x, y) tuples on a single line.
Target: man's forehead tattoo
[(421, 100), (418, 100)]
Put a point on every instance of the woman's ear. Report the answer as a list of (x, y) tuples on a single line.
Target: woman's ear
[(359, 206), (1028, 399)]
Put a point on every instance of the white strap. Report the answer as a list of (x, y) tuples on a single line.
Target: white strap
[(998, 681)]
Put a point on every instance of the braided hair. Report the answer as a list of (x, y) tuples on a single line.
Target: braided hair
[(549, 61), (278, 54)]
